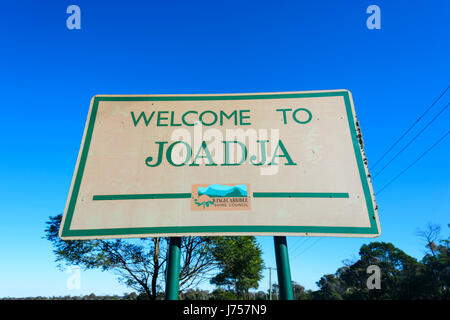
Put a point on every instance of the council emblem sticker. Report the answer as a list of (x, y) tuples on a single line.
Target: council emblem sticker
[(220, 197)]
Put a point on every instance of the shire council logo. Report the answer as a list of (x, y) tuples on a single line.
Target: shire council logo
[(220, 197)]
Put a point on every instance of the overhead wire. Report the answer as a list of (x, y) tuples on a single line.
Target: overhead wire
[(307, 248), (413, 163), (301, 244), (410, 128), (412, 140)]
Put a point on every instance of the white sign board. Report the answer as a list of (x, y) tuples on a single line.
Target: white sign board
[(231, 164)]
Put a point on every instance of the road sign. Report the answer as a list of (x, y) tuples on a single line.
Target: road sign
[(274, 164)]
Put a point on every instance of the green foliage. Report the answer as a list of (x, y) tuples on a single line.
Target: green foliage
[(92, 296), (331, 288), (240, 264), (260, 295), (298, 291), (436, 266), (196, 294), (222, 294), (402, 276), (399, 272), (139, 263)]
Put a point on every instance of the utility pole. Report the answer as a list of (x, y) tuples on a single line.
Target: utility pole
[(270, 281)]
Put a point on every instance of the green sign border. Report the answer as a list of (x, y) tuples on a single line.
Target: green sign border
[(120, 232)]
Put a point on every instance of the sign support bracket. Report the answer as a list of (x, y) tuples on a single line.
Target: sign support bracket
[(173, 269), (283, 268)]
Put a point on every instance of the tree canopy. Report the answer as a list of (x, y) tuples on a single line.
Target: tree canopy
[(139, 263), (240, 264), (402, 276), (235, 265)]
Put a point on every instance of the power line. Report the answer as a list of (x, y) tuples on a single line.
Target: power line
[(412, 140), (414, 162), (296, 243), (409, 129), (309, 247), (305, 240)]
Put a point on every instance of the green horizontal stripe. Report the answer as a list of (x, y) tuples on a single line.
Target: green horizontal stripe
[(300, 195), (221, 97), (188, 195), (142, 196)]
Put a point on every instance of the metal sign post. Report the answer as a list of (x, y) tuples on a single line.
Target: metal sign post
[(283, 269), (173, 269)]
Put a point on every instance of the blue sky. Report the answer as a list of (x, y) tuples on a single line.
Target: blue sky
[(48, 75)]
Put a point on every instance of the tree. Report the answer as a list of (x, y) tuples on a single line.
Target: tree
[(260, 295), (400, 276), (222, 294), (399, 273), (196, 294), (239, 262), (139, 263), (330, 288), (430, 235), (299, 292), (436, 269)]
